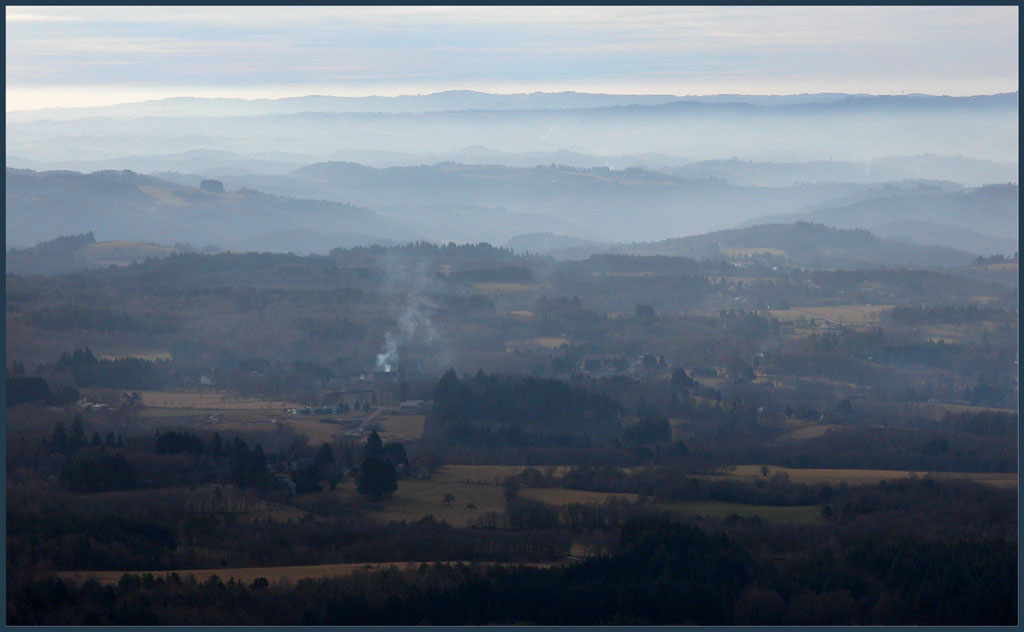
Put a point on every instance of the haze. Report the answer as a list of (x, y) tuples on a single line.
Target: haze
[(512, 315)]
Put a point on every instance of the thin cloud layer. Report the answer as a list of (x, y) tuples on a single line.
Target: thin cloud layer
[(389, 50)]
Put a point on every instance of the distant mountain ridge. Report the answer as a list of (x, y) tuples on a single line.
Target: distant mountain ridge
[(219, 164), (991, 210), (437, 101), (847, 127), (127, 205), (807, 245)]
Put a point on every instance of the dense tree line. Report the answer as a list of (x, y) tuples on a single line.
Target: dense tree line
[(661, 573), (88, 371), (949, 314), (509, 409)]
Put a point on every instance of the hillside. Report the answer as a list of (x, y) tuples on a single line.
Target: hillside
[(852, 128), (451, 201), (990, 211), (129, 206), (806, 245), (80, 252)]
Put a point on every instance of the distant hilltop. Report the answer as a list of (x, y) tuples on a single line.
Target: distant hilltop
[(457, 100)]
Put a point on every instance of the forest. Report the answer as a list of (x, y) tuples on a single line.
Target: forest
[(468, 435)]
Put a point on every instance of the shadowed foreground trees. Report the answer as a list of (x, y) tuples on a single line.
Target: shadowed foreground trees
[(377, 475), (662, 573)]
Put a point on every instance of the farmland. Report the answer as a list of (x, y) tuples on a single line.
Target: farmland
[(272, 574)]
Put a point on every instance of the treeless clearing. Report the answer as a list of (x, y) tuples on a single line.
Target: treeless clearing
[(270, 573), (862, 477), (845, 314), (742, 252), (803, 514), (217, 400), (507, 288), (812, 431), (117, 354), (551, 342), (401, 427), (486, 474), (480, 485), (1012, 267), (562, 496), (416, 499)]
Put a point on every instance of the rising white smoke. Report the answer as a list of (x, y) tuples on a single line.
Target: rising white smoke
[(415, 322)]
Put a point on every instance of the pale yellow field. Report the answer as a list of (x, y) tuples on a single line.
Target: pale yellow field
[(936, 410), (560, 496), (270, 573), (1012, 267), (812, 431), (401, 427), (507, 288), (486, 474), (844, 314), (480, 485), (416, 499), (117, 354), (164, 195), (740, 252), (861, 477), (551, 342), (803, 514), (218, 400)]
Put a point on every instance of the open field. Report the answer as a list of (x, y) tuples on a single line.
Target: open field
[(401, 427), (416, 499), (142, 354), (494, 474), (486, 474), (270, 573), (804, 514), (1012, 267), (205, 499), (479, 485), (507, 288), (743, 252), (562, 496), (551, 342), (215, 400), (931, 410), (804, 433), (862, 477), (843, 314)]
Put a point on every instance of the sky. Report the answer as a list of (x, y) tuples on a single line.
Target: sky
[(84, 56)]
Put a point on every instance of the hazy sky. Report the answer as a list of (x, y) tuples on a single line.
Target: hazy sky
[(75, 56)]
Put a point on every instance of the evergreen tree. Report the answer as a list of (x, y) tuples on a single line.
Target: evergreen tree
[(377, 475)]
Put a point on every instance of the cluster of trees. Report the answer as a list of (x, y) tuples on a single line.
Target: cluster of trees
[(949, 314), (23, 390), (74, 317), (88, 371), (550, 405), (661, 572)]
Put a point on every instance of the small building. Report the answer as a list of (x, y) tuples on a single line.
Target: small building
[(211, 186), (289, 484), (412, 407)]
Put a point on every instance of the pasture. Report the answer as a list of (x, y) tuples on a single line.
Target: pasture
[(273, 574), (491, 289), (841, 314), (718, 510), (400, 427), (211, 400), (477, 485), (866, 477)]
